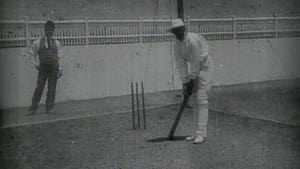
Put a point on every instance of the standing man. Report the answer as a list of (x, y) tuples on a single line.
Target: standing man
[(192, 48), (46, 54)]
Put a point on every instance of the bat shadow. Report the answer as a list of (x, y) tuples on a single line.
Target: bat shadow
[(164, 139)]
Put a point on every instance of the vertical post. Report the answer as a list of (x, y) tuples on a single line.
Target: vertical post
[(188, 23), (276, 26), (234, 27), (137, 104), (180, 9), (27, 33), (140, 31), (87, 31), (143, 104), (132, 106)]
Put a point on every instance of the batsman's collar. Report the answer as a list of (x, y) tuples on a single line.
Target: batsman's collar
[(176, 23)]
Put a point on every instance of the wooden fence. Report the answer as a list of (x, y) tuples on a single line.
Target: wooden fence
[(20, 33)]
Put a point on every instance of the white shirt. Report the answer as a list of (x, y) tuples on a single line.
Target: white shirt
[(33, 51), (193, 49)]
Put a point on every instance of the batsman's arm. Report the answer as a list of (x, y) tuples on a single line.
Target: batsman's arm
[(181, 66)]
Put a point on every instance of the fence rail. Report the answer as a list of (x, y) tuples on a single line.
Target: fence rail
[(20, 33)]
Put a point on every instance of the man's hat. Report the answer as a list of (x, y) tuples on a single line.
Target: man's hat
[(50, 24), (176, 23)]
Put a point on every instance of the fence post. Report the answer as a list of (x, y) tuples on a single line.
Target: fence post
[(27, 33), (87, 31), (234, 27), (140, 31), (188, 23), (276, 26)]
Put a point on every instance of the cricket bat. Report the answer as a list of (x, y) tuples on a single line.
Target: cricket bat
[(177, 118)]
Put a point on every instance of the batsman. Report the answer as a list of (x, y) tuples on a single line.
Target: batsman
[(192, 48)]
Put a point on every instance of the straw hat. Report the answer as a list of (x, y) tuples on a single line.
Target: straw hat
[(176, 23)]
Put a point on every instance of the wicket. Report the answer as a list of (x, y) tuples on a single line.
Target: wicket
[(137, 111)]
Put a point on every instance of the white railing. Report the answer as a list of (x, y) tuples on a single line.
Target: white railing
[(20, 33)]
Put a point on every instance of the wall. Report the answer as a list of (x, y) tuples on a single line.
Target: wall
[(244, 61), (101, 71)]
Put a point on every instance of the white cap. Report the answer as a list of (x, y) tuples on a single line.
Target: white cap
[(176, 23)]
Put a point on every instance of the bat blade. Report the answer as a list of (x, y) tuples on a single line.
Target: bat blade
[(177, 118)]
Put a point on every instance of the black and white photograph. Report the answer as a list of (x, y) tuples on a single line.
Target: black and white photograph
[(149, 84)]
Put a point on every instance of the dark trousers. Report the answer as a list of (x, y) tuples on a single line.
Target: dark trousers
[(46, 73)]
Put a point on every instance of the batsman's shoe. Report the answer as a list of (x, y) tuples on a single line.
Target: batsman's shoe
[(199, 139), (190, 138)]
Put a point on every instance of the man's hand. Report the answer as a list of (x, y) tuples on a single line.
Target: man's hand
[(59, 73), (188, 88)]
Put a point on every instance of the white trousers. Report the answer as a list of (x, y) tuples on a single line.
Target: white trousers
[(199, 99)]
